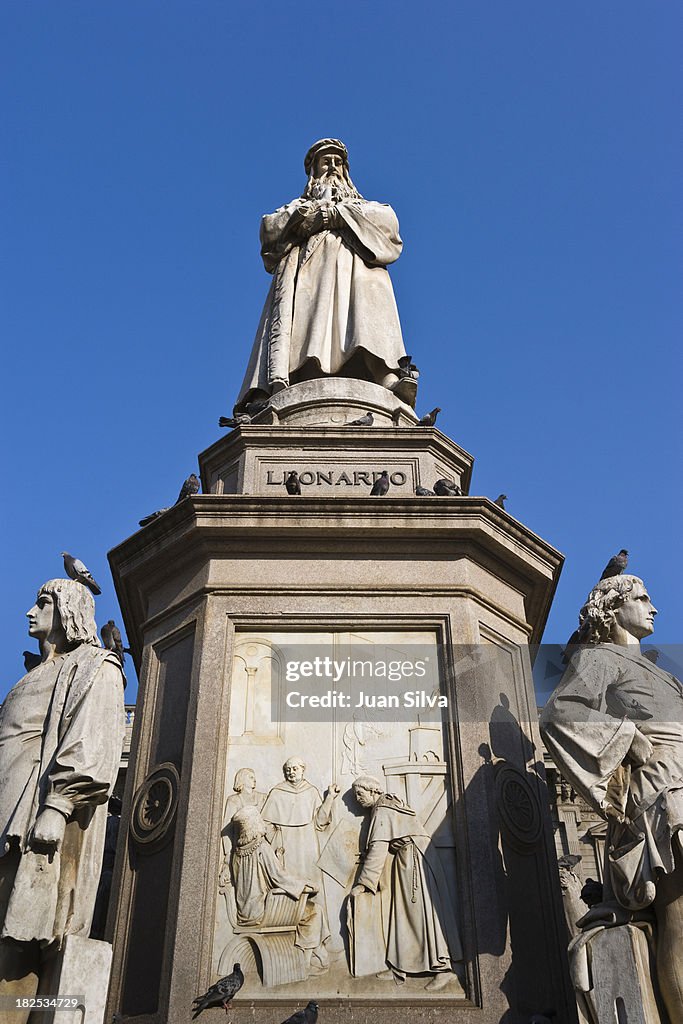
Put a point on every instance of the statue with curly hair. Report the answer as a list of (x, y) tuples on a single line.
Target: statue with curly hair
[(614, 727), (61, 734)]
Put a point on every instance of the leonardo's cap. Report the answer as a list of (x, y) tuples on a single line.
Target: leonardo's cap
[(319, 146)]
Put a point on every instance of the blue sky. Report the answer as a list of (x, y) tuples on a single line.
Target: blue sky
[(533, 154)]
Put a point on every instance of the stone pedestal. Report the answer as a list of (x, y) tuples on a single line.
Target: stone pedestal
[(80, 968), (612, 969), (212, 593)]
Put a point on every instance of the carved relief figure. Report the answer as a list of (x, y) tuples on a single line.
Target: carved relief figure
[(244, 794), (61, 733), (257, 872), (331, 308), (421, 930), (614, 727), (298, 813)]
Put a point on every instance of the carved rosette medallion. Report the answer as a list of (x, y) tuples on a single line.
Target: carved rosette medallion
[(154, 807), (518, 807)]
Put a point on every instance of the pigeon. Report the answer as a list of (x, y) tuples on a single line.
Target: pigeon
[(592, 892), (154, 515), (75, 569), (616, 565), (190, 487), (308, 1015), (111, 638), (430, 419), (381, 485), (424, 492), (447, 488), (239, 420), (31, 660), (220, 994), (364, 421), (292, 483), (500, 501), (651, 653)]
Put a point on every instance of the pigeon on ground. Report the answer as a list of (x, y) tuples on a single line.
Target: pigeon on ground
[(364, 421), (616, 565), (154, 515), (31, 660), (190, 487), (111, 638), (381, 485), (309, 1015), (220, 994), (76, 570), (447, 488), (292, 483), (430, 419), (500, 500), (424, 492)]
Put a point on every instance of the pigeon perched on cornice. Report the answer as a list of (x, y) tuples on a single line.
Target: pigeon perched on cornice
[(447, 488), (154, 515), (190, 487), (424, 492), (292, 483), (429, 419), (381, 485), (240, 420), (364, 421), (220, 994), (616, 565), (76, 570), (309, 1015), (500, 501)]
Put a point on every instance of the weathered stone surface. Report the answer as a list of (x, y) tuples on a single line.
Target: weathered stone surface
[(611, 970), (613, 727), (225, 572), (332, 459), (331, 308), (61, 733), (81, 968)]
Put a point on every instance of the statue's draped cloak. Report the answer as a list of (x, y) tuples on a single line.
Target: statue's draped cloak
[(72, 769), (331, 296), (422, 934), (588, 726)]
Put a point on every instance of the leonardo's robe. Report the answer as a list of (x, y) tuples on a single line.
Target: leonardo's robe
[(331, 296), (588, 725), (61, 734), (422, 934)]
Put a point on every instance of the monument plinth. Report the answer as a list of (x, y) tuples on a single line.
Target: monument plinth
[(375, 836)]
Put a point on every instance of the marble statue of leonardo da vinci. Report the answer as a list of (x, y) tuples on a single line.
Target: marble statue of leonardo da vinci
[(330, 310)]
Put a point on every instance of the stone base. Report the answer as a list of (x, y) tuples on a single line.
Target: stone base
[(81, 968), (334, 401), (611, 970), (306, 428)]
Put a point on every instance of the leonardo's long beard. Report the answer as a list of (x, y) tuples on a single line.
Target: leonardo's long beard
[(332, 187)]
